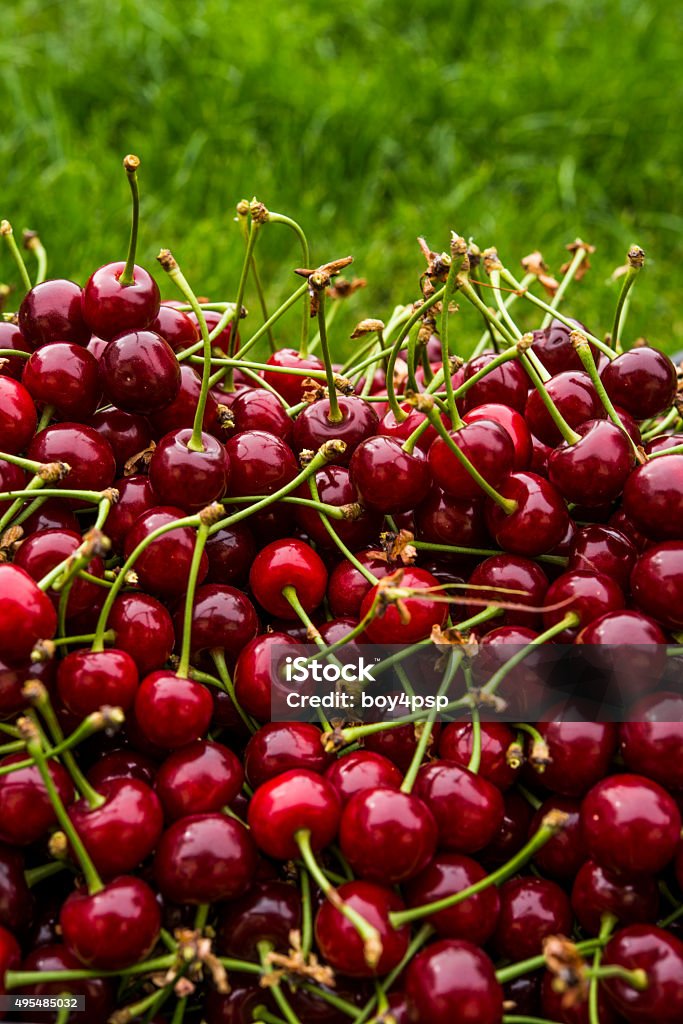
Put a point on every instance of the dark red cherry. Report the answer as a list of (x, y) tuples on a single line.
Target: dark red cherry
[(90, 456), (440, 519), (171, 711), (630, 824), (595, 468), (386, 835), (261, 463), (52, 312), (388, 427), (651, 742), (362, 770), (596, 892), (388, 478), (653, 497), (488, 447), (230, 552), (290, 385), (52, 515), (204, 858), (347, 586), (202, 777), (663, 442), (513, 423), (425, 612), (11, 338), (136, 495), (538, 523), (468, 809), (18, 416), (580, 752), (144, 629), (574, 394), (139, 372), (181, 411), (508, 579), (164, 565), (505, 385), (513, 831), (555, 350), (660, 955), (222, 617), (122, 764), (98, 993), (398, 744), (280, 746), (189, 479), (12, 478), (642, 381), (313, 427), (629, 649), (26, 614), (256, 673), (335, 487), (10, 956), (175, 327), (127, 433), (65, 376), (657, 583), (455, 744), (563, 854), (268, 913), (258, 409), (110, 308), (114, 928), (589, 595), (42, 551), (531, 909), (238, 1006), (339, 941), (447, 873), (288, 563), (86, 680), (452, 980), (25, 809), (123, 831), (16, 900), (295, 800), (222, 341), (604, 550)]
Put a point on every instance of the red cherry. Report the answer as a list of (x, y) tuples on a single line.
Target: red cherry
[(596, 892), (122, 832), (11, 338), (44, 550), (164, 566), (136, 495), (25, 809), (257, 409), (280, 746), (512, 834), (171, 711), (455, 744), (475, 918), (144, 629), (175, 327), (110, 308), (361, 770), (452, 980), (139, 372), (256, 674), (660, 955), (17, 416), (653, 497), (52, 515), (181, 411), (587, 594), (388, 478), (201, 778), (189, 479), (507, 384), (574, 394), (204, 858), (651, 742), (388, 427), (90, 456), (387, 835), (288, 563), (663, 442), (290, 385), (468, 809), (52, 312), (657, 583), (488, 447), (424, 612), (531, 909), (580, 753), (87, 680), (595, 468), (261, 463), (230, 552), (290, 802), (563, 854), (127, 433), (213, 318), (642, 381), (442, 520), (552, 1005), (98, 993), (222, 617), (347, 586), (122, 764), (16, 900), (312, 427), (603, 550), (503, 573), (65, 376), (629, 649), (554, 348), (10, 956), (268, 913), (513, 423), (335, 487), (339, 941), (26, 614), (538, 523), (114, 928)]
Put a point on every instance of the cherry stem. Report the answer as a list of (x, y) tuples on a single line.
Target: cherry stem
[(266, 328), (636, 261), (15, 979), (242, 217), (249, 251), (218, 657), (474, 762), (662, 426), (199, 545), (335, 415), (469, 292), (569, 620), (423, 545), (88, 727), (33, 243), (513, 1018), (264, 1016), (552, 823), (458, 257), (494, 275), (454, 661), (7, 353), (577, 260), (281, 218), (34, 876), (306, 913), (418, 941), (394, 350), (330, 511), (264, 949), (569, 435), (535, 963), (583, 350), (131, 164), (348, 554), (6, 230), (607, 925)]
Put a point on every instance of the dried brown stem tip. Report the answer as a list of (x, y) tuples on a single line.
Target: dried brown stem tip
[(34, 692), (167, 260), (367, 327), (636, 257), (259, 211), (242, 208), (5, 228), (491, 260), (131, 163), (212, 514), (30, 239), (525, 342), (578, 339), (52, 472)]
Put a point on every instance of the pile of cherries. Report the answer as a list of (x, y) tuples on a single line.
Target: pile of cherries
[(173, 510)]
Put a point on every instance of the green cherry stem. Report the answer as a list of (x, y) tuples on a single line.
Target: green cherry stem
[(417, 315), (34, 876), (281, 218), (569, 620), (607, 925), (306, 913), (662, 426), (218, 658), (324, 518), (636, 261), (454, 661), (242, 211), (578, 258), (131, 164), (583, 350), (8, 234), (335, 415), (264, 949), (536, 963), (199, 545), (417, 942), (458, 257), (569, 435), (33, 243)]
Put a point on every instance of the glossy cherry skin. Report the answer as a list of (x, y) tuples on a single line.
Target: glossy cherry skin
[(110, 308), (122, 764), (555, 350), (512, 423), (530, 910), (347, 586), (65, 376), (488, 447), (16, 900), (388, 478), (447, 873), (136, 495), (660, 955), (222, 341), (455, 744), (505, 385), (596, 892), (362, 770), (642, 381), (175, 327), (52, 515), (651, 742), (424, 612), (10, 956), (268, 913), (26, 614), (468, 809), (290, 385), (595, 468), (295, 800), (512, 834), (508, 573), (657, 583), (339, 941), (387, 836), (653, 497), (201, 778), (261, 463), (127, 433), (441, 519), (99, 993), (580, 753), (335, 487), (222, 617), (139, 372), (44, 550), (588, 594), (280, 746), (25, 809), (288, 563), (538, 523), (124, 830), (604, 550), (258, 409), (87, 680), (90, 456), (663, 442), (452, 980), (230, 552), (574, 395), (164, 566), (562, 856), (312, 427), (181, 411), (18, 416), (203, 858), (114, 928), (629, 649), (12, 338), (144, 629), (256, 673), (389, 427), (238, 1006), (172, 711), (189, 479), (52, 312), (631, 825)]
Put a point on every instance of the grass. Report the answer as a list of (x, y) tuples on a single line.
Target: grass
[(523, 125)]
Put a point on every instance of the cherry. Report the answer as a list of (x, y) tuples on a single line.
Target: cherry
[(660, 955), (340, 943), (455, 744), (52, 312), (387, 835), (441, 520), (52, 515), (213, 318), (574, 395), (498, 574), (257, 409), (175, 327), (288, 563), (164, 565), (554, 1008), (335, 487), (120, 833), (629, 649), (203, 858), (222, 617), (513, 423), (642, 381), (136, 495), (580, 752), (65, 376), (17, 416), (280, 746), (651, 741), (291, 802), (653, 497), (630, 824), (563, 854), (507, 384), (663, 442), (425, 612), (90, 456), (87, 680), (187, 478), (127, 433), (604, 550), (588, 595), (98, 993), (594, 469), (468, 809), (13, 679), (347, 586), (239, 1005), (144, 629), (538, 523), (447, 873), (513, 831), (256, 675), (172, 711), (139, 372), (261, 463), (10, 956), (657, 583), (26, 614), (12, 338), (268, 913), (44, 550), (290, 385), (390, 479), (200, 778), (111, 307), (530, 910), (313, 427), (122, 764), (452, 980), (16, 899), (489, 448), (554, 348), (362, 770), (596, 892), (25, 809), (389, 427), (181, 411), (230, 552), (114, 928)]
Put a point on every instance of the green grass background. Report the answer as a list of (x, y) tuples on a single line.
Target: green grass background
[(522, 125)]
